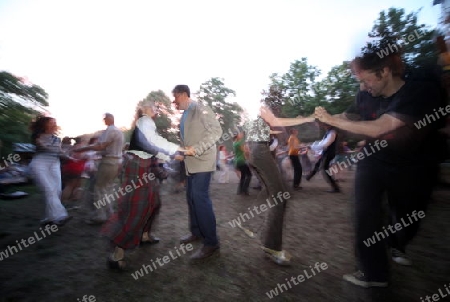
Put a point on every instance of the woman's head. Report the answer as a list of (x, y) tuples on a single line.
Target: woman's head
[(148, 108), (43, 124)]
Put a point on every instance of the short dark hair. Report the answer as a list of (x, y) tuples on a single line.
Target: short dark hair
[(181, 89), (372, 61)]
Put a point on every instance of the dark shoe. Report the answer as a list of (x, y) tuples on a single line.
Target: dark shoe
[(257, 188), (188, 239), (308, 177), (297, 188), (151, 240), (116, 264), (62, 222), (334, 191), (205, 252), (359, 279)]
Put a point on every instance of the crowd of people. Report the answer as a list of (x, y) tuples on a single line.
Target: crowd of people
[(386, 108)]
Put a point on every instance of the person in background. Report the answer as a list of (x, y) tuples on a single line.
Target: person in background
[(46, 170), (109, 145), (294, 146), (224, 173), (327, 150), (241, 165)]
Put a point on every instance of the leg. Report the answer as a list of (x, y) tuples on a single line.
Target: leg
[(297, 170), (369, 240), (203, 212), (329, 178)]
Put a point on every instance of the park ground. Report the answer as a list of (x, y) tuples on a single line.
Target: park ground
[(71, 263)]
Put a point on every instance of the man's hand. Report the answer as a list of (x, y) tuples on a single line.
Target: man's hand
[(322, 115), (190, 151)]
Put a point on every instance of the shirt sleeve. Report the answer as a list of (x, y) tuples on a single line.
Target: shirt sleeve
[(148, 129), (328, 140)]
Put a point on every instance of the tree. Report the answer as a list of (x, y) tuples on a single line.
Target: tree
[(214, 93), (340, 88), (19, 102), (395, 31)]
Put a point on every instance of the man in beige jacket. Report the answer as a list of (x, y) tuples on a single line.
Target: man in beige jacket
[(199, 131)]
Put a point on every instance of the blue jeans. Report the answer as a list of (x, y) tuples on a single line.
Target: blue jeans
[(202, 220)]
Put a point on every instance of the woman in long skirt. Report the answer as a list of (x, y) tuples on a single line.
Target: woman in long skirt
[(139, 204)]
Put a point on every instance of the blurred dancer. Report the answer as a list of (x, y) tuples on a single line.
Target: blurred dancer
[(241, 165), (131, 225), (264, 166), (398, 159), (110, 144), (294, 148), (46, 169)]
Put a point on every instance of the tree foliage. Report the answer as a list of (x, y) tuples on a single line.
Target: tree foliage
[(19, 102), (214, 93)]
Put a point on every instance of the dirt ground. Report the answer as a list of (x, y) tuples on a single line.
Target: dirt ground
[(71, 263)]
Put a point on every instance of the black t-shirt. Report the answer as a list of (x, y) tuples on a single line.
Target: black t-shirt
[(417, 105)]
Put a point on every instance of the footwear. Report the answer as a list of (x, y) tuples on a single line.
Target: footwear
[(152, 240), (334, 191), (400, 257), (279, 257), (62, 222), (205, 252), (298, 188), (116, 264), (359, 279), (308, 177), (188, 239), (257, 188)]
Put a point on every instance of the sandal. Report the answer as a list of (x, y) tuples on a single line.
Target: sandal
[(116, 264)]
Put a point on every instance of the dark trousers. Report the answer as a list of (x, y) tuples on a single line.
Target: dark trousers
[(246, 178), (295, 160), (407, 189), (202, 220), (265, 168), (324, 164)]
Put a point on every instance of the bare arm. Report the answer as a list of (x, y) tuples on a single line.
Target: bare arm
[(375, 128)]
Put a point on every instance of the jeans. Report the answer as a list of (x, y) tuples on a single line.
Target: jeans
[(202, 221)]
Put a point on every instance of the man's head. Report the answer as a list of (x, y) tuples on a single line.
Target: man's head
[(181, 94), (377, 73), (293, 131), (108, 118)]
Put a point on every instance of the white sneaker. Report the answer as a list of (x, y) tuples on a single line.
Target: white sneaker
[(400, 258), (358, 278)]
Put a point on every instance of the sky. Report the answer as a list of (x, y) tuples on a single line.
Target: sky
[(101, 56)]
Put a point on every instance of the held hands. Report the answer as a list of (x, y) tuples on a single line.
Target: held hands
[(268, 116), (322, 115), (189, 151), (179, 157)]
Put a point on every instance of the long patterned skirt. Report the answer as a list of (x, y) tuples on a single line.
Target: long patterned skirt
[(138, 204)]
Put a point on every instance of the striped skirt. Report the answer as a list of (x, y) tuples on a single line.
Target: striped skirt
[(138, 202)]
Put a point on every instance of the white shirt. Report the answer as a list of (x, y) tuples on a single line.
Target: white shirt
[(114, 137), (319, 146)]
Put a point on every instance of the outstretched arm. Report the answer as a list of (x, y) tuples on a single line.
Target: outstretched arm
[(274, 121)]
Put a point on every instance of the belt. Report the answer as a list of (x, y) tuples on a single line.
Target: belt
[(260, 143)]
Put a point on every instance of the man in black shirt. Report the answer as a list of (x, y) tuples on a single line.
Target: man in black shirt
[(397, 160)]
